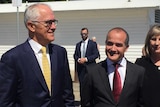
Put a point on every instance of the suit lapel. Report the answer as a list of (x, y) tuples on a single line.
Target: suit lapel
[(104, 75), (53, 58), (128, 78), (30, 56), (88, 47), (79, 48)]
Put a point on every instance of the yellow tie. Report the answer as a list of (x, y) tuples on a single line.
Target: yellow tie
[(46, 68)]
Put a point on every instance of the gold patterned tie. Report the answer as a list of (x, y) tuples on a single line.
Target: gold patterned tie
[(46, 68)]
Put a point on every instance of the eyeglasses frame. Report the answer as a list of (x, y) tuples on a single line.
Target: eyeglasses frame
[(47, 23)]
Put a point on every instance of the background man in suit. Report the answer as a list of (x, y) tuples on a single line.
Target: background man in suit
[(100, 88), (22, 79), (85, 53)]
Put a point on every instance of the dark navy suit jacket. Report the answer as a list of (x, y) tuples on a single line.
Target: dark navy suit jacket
[(23, 84), (91, 54)]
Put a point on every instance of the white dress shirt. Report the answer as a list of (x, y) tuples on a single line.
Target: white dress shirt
[(121, 70), (82, 44), (37, 51)]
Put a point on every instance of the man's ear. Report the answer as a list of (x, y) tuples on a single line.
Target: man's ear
[(126, 48), (31, 26)]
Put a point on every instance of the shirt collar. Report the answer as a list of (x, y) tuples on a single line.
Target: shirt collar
[(35, 45), (85, 40), (122, 62)]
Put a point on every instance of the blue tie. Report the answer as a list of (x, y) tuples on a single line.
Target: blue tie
[(83, 50)]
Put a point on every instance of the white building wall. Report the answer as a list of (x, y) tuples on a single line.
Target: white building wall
[(136, 21)]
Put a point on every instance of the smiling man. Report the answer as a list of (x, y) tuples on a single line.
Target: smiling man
[(36, 73), (114, 82)]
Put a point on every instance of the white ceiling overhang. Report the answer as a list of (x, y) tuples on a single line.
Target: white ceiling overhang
[(86, 5)]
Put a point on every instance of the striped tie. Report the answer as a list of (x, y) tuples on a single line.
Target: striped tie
[(46, 68)]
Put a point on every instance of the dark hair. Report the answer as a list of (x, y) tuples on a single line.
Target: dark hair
[(84, 29)]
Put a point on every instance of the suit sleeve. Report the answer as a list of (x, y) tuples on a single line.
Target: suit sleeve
[(8, 84), (141, 78), (76, 53), (86, 98), (94, 53), (68, 92)]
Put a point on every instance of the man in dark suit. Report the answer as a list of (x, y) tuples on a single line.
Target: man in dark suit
[(85, 53), (22, 75), (108, 86)]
